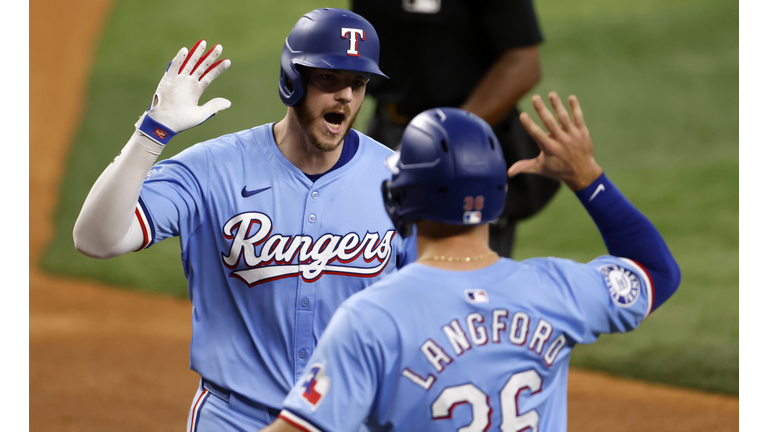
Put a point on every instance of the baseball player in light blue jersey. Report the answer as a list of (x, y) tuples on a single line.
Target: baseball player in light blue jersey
[(278, 224), (464, 340)]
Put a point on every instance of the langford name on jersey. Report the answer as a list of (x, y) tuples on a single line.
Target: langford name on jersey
[(478, 334), (314, 256)]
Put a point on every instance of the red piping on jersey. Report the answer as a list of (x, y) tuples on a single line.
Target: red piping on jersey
[(653, 289), (490, 412), (450, 410), (293, 423), (143, 230)]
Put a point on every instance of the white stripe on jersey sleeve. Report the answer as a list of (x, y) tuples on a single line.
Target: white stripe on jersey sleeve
[(646, 280), (297, 421), (145, 228)]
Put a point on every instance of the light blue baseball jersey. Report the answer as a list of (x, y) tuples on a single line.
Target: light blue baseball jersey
[(268, 254), (432, 349)]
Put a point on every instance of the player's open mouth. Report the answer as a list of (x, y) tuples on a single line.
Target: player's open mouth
[(333, 121)]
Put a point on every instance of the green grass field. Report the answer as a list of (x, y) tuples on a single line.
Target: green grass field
[(658, 81)]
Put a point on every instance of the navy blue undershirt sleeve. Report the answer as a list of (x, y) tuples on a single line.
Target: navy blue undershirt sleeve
[(629, 234)]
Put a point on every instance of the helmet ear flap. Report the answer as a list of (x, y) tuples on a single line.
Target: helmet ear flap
[(393, 205), (291, 86)]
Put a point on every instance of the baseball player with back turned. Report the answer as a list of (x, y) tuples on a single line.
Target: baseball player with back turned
[(278, 224), (464, 340)]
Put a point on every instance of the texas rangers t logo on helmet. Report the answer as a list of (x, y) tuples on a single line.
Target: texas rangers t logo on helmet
[(316, 386), (353, 33)]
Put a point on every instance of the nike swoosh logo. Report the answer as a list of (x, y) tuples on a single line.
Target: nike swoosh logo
[(246, 193), (599, 189)]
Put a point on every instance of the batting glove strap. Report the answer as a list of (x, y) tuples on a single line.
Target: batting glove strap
[(154, 130)]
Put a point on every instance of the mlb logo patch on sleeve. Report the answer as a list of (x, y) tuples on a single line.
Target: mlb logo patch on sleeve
[(623, 284), (476, 295), (316, 386)]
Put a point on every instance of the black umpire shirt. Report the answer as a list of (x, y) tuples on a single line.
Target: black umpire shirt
[(436, 51)]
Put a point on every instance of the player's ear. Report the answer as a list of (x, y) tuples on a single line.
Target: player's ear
[(289, 83)]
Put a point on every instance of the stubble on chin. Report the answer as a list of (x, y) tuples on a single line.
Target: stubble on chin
[(306, 118)]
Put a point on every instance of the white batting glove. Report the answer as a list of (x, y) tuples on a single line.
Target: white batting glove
[(174, 106)]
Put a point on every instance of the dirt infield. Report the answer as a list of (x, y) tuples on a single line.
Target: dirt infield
[(109, 360)]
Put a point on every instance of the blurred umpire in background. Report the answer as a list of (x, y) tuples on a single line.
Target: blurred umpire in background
[(480, 56)]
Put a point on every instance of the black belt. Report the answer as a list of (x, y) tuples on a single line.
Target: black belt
[(239, 403)]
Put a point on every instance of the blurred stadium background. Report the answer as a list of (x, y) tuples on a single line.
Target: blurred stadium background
[(658, 81)]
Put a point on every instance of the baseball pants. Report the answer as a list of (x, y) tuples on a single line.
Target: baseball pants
[(216, 409)]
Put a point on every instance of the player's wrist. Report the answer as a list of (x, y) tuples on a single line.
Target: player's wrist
[(145, 143), (154, 130), (588, 193), (586, 178)]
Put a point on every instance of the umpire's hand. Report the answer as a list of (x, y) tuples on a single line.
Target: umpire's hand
[(566, 151)]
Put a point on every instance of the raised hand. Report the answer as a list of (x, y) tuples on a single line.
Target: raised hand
[(174, 106), (566, 151)]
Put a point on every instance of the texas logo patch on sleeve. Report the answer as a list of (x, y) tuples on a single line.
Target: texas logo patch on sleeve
[(623, 284), (316, 386)]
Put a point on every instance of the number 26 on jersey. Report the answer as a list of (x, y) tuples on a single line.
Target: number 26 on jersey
[(511, 419)]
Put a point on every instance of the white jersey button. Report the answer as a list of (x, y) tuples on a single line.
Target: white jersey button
[(315, 195), (312, 218)]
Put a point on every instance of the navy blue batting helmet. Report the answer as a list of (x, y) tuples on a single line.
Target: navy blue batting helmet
[(330, 39), (450, 169)]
